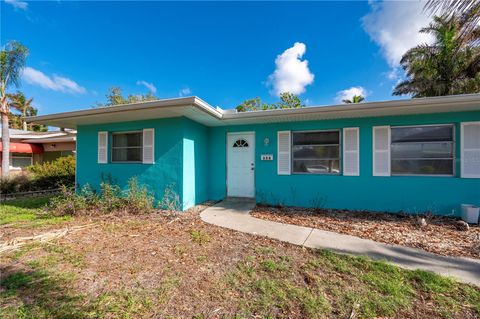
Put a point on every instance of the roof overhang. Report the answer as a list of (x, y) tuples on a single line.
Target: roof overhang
[(200, 111), (190, 107)]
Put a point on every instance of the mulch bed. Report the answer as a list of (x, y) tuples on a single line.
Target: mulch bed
[(440, 235)]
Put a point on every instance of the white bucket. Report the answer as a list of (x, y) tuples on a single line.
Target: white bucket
[(470, 213)]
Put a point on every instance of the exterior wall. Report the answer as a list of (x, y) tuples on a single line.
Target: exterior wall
[(195, 163), (60, 146), (180, 159), (440, 195), (166, 172)]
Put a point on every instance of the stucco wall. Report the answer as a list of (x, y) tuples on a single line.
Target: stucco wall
[(195, 163), (441, 195), (168, 167), (191, 158)]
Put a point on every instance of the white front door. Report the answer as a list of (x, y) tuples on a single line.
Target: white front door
[(241, 164)]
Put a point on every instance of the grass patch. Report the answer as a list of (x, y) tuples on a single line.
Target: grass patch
[(331, 285), (28, 213), (199, 237)]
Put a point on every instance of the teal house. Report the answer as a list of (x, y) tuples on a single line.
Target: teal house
[(416, 155)]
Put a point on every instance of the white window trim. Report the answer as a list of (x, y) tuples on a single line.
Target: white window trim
[(340, 158), (139, 147), (345, 151), (454, 142), (462, 149)]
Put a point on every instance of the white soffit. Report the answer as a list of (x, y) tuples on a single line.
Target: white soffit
[(196, 109)]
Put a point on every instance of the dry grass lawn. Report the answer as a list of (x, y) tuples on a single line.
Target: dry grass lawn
[(167, 265)]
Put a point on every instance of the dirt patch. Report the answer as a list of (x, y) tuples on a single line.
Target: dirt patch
[(440, 234)]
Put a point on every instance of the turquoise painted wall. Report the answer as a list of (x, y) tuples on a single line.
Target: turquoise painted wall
[(195, 163), (191, 158), (441, 195), (168, 167)]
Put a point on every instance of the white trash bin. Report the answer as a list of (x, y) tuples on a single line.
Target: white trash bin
[(470, 213)]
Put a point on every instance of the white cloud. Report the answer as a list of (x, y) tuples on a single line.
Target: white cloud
[(18, 4), (54, 82), (148, 85), (349, 93), (185, 91), (394, 26), (291, 73)]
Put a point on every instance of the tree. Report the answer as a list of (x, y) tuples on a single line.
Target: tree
[(467, 10), (12, 62), (448, 66), (355, 99), (287, 101), (115, 97), (19, 102)]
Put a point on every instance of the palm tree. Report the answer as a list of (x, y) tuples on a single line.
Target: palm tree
[(448, 66), (12, 62), (355, 99), (467, 10), (23, 105)]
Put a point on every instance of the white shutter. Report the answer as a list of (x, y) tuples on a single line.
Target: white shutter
[(283, 156), (470, 150), (148, 146), (351, 151), (381, 151), (102, 147)]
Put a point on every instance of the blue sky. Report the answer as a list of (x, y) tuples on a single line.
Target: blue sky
[(224, 52)]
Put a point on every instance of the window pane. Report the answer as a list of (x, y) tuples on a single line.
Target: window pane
[(311, 138), (127, 139), (316, 166), (21, 161), (127, 154), (422, 133), (315, 152), (422, 150), (423, 167)]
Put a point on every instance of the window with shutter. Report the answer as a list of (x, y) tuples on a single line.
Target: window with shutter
[(148, 146), (102, 147), (351, 151), (381, 151), (283, 156), (470, 150)]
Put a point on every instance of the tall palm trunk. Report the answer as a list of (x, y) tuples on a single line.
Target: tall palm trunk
[(5, 134), (24, 122), (5, 146)]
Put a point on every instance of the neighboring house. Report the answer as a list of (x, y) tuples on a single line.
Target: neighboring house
[(27, 147), (412, 155)]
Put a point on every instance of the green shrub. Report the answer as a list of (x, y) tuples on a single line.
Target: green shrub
[(139, 199), (110, 198), (50, 175), (136, 199), (68, 203)]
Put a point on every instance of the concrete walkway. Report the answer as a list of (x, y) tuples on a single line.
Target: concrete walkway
[(234, 214)]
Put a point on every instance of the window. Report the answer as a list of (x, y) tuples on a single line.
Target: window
[(240, 143), (422, 150), (127, 147), (316, 152), (20, 160)]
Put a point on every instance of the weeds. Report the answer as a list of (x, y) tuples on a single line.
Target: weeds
[(136, 199), (199, 237)]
